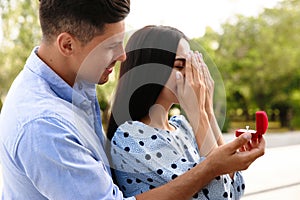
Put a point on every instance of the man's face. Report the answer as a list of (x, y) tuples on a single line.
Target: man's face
[(100, 55)]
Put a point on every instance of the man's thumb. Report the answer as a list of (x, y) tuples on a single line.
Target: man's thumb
[(241, 140)]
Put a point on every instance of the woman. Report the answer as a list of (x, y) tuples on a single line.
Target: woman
[(147, 148)]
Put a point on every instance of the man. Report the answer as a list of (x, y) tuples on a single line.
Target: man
[(52, 145)]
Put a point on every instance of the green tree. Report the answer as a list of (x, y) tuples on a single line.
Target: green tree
[(258, 58), (21, 32)]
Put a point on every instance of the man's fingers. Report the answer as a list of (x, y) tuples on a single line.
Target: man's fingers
[(255, 152), (240, 141), (242, 149), (259, 150)]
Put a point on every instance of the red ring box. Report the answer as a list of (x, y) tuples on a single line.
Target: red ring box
[(261, 126)]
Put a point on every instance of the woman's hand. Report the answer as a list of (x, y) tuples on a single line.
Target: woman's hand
[(191, 87), (191, 91), (192, 97), (209, 83), (209, 107)]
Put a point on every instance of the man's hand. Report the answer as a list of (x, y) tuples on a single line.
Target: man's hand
[(223, 160), (228, 158)]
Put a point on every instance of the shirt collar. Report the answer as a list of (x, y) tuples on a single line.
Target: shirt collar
[(78, 95)]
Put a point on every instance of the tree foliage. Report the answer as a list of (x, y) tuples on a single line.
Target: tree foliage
[(259, 60), (21, 33)]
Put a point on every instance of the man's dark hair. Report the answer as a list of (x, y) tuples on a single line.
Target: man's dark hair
[(83, 19)]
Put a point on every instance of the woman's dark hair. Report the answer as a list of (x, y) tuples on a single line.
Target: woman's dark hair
[(82, 18), (151, 53)]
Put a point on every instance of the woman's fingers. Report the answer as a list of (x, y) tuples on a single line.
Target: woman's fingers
[(197, 75), (188, 69), (179, 82), (203, 68)]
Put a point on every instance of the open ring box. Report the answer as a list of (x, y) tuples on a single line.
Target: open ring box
[(261, 126)]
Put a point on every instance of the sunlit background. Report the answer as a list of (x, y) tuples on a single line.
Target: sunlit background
[(192, 16)]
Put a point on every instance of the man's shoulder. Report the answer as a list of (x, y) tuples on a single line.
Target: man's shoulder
[(23, 102), (26, 103)]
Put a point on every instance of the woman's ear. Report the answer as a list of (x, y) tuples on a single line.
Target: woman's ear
[(66, 44)]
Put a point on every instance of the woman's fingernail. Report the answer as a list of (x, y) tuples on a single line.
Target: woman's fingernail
[(178, 75)]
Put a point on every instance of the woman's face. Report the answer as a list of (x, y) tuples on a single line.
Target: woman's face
[(179, 65)]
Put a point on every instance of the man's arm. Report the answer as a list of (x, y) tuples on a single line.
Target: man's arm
[(60, 165), (223, 160)]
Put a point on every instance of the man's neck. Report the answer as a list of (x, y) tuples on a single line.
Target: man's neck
[(58, 63)]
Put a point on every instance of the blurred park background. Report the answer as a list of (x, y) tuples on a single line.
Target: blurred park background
[(257, 57)]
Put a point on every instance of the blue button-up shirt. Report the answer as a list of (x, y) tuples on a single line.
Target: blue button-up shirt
[(51, 139)]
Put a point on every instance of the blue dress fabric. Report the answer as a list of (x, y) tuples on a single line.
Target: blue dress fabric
[(145, 157)]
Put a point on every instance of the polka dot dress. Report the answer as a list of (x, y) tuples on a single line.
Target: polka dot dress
[(145, 157)]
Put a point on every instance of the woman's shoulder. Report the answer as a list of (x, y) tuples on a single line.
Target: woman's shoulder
[(179, 121), (178, 118), (135, 137), (135, 129)]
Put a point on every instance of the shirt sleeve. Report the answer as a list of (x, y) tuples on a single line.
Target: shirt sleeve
[(59, 165)]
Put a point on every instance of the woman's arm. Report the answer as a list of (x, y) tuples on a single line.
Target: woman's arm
[(192, 93), (209, 82)]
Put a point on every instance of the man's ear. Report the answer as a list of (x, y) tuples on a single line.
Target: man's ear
[(66, 44)]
